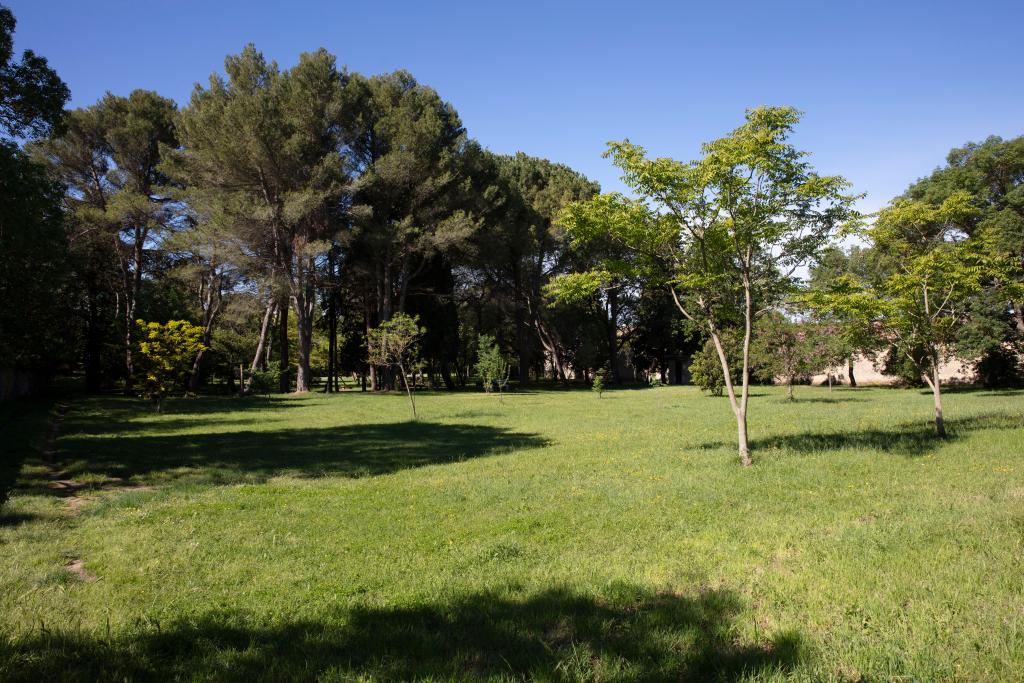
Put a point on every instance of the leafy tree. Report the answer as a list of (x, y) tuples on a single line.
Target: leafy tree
[(32, 95), (118, 201), (597, 386), (785, 349), (408, 151), (33, 245), (166, 352), (725, 234), (918, 307), (992, 172), (264, 146), (491, 364), (393, 343), (521, 248)]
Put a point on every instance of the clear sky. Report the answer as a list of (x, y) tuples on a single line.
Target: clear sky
[(887, 87)]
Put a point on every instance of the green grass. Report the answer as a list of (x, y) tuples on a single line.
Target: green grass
[(561, 536)]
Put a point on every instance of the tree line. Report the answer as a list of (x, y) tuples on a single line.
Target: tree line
[(295, 217)]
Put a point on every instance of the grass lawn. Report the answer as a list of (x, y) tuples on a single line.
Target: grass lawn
[(559, 536)]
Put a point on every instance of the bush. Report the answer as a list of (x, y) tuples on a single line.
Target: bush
[(264, 381), (166, 353), (1000, 368), (597, 385), (706, 370)]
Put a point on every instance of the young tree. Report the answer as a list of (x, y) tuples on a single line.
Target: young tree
[(785, 348), (918, 307), (166, 352), (393, 343), (725, 234), (492, 365)]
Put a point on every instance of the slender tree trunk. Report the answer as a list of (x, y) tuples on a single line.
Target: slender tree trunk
[(408, 392), (849, 371), (522, 334), (93, 375), (940, 425), (613, 334), (284, 385), (737, 408), (789, 389), (304, 323), (258, 357)]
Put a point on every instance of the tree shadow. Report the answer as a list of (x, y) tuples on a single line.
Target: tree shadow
[(631, 634), (254, 456), (798, 398), (9, 518), (908, 438)]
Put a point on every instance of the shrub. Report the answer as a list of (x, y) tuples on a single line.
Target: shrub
[(166, 354), (264, 381), (598, 384)]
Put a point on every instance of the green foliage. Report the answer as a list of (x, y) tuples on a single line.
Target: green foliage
[(265, 382), (32, 96), (393, 343), (34, 318), (706, 370), (725, 233), (706, 366), (166, 354), (491, 364), (598, 385)]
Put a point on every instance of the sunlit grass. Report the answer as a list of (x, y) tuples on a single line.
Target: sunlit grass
[(558, 536)]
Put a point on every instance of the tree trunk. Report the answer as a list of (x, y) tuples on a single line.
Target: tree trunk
[(789, 389), (613, 335), (258, 357), (737, 409), (284, 384), (193, 380), (332, 344), (741, 433), (408, 392), (93, 346), (849, 372), (940, 425), (522, 332), (304, 323)]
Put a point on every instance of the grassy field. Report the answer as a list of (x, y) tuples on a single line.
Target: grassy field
[(559, 536)]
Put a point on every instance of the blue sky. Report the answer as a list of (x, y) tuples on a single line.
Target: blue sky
[(887, 88)]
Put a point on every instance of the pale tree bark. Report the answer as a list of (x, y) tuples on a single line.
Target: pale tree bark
[(408, 392), (739, 407), (257, 358), (211, 295), (936, 386)]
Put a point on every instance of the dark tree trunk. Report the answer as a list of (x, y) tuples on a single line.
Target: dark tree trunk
[(522, 333), (849, 372), (613, 335), (93, 347), (285, 384)]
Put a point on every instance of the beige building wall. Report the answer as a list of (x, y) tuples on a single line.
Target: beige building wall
[(864, 371)]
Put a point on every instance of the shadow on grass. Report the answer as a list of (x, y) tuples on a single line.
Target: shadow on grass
[(248, 456), (8, 518), (908, 439), (556, 635)]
